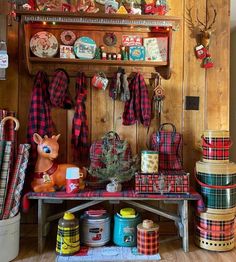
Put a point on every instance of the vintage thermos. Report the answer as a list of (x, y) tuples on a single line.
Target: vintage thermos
[(148, 237), (68, 242)]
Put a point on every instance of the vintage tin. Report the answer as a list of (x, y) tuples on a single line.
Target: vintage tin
[(68, 235), (216, 145), (215, 231), (217, 185), (164, 182), (148, 238), (149, 161), (95, 230), (125, 228)]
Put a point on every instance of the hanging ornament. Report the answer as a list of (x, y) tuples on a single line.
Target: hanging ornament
[(207, 62), (200, 51)]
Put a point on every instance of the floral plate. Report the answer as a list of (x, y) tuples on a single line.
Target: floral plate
[(44, 44)]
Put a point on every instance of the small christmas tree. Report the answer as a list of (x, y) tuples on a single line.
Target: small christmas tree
[(116, 168)]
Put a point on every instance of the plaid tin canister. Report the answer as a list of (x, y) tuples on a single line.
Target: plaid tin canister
[(216, 145), (148, 237), (217, 185), (215, 231)]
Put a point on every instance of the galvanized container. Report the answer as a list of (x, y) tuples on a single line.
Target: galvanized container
[(95, 230), (217, 185), (149, 161), (125, 229)]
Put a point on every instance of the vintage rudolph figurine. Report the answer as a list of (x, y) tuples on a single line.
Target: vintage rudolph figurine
[(48, 175)]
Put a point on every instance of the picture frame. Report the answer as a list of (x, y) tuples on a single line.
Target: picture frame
[(156, 48)]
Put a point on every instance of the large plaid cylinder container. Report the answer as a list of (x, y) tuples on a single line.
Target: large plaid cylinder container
[(169, 145), (163, 182), (215, 231), (215, 146), (148, 238), (217, 185)]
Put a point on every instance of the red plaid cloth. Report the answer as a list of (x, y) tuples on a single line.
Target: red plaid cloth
[(138, 108), (80, 124), (58, 90), (39, 120)]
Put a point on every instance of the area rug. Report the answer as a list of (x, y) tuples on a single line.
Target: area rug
[(104, 254)]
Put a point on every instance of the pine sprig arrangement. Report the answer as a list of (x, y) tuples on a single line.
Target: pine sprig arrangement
[(115, 165)]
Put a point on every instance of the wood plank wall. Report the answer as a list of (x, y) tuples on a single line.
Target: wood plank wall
[(188, 79)]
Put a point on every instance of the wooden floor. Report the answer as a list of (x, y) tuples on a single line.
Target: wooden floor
[(169, 251)]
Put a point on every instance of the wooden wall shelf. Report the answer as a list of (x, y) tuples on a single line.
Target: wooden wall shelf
[(95, 25)]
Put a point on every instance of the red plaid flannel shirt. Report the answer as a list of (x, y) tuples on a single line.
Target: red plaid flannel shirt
[(58, 90), (138, 108), (39, 119), (80, 123)]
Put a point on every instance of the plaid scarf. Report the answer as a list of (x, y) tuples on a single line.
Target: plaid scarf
[(39, 120), (80, 125), (138, 108), (58, 90)]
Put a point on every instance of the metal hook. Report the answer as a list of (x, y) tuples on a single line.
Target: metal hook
[(17, 124)]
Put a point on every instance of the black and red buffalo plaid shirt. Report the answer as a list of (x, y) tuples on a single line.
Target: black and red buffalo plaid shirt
[(138, 108), (58, 90), (39, 119), (80, 124)]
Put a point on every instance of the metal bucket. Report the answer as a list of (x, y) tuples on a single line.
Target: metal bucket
[(217, 185), (95, 230), (215, 232), (216, 145), (149, 161)]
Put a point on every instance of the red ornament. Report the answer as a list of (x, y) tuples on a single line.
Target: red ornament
[(200, 51), (207, 62)]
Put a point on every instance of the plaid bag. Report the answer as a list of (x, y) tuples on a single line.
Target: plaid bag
[(97, 146), (169, 145)]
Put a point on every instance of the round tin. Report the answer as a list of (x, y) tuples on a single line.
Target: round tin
[(95, 230), (149, 161)]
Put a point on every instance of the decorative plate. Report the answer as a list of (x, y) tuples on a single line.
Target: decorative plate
[(68, 37), (44, 44), (85, 48)]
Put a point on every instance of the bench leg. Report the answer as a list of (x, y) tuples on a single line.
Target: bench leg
[(184, 219), (41, 223)]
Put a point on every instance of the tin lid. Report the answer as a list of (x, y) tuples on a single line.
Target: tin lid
[(68, 216), (150, 152), (127, 212), (72, 173), (212, 168), (216, 133), (148, 225)]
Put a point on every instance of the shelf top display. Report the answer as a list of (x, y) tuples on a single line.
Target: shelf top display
[(99, 19)]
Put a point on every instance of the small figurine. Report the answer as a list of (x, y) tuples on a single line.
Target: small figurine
[(124, 53), (97, 53), (135, 11), (111, 6)]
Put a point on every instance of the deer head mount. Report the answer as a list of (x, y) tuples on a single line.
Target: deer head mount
[(202, 30)]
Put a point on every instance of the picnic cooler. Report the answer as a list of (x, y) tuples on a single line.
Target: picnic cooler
[(214, 232), (162, 182), (216, 145), (217, 185)]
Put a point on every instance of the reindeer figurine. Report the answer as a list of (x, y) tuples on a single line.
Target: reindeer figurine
[(48, 174), (202, 31)]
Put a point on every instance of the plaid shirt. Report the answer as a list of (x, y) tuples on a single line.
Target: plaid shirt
[(39, 120), (80, 124), (58, 90), (138, 108)]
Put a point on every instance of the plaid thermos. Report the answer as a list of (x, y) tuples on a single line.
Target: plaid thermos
[(148, 237), (68, 242)]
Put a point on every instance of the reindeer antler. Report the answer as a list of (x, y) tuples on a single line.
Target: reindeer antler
[(213, 20)]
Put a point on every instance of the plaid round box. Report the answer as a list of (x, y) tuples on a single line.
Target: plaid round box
[(148, 238), (216, 145)]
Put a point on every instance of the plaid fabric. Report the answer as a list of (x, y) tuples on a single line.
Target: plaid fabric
[(16, 182), (218, 198), (212, 225), (79, 138), (167, 182), (169, 145), (216, 148), (217, 179), (138, 108), (148, 242), (5, 171), (58, 90), (214, 235), (39, 120)]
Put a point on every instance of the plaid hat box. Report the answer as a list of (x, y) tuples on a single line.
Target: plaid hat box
[(215, 146), (217, 185), (162, 182), (214, 232)]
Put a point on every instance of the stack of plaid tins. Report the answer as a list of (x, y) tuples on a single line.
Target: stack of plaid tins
[(216, 178)]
